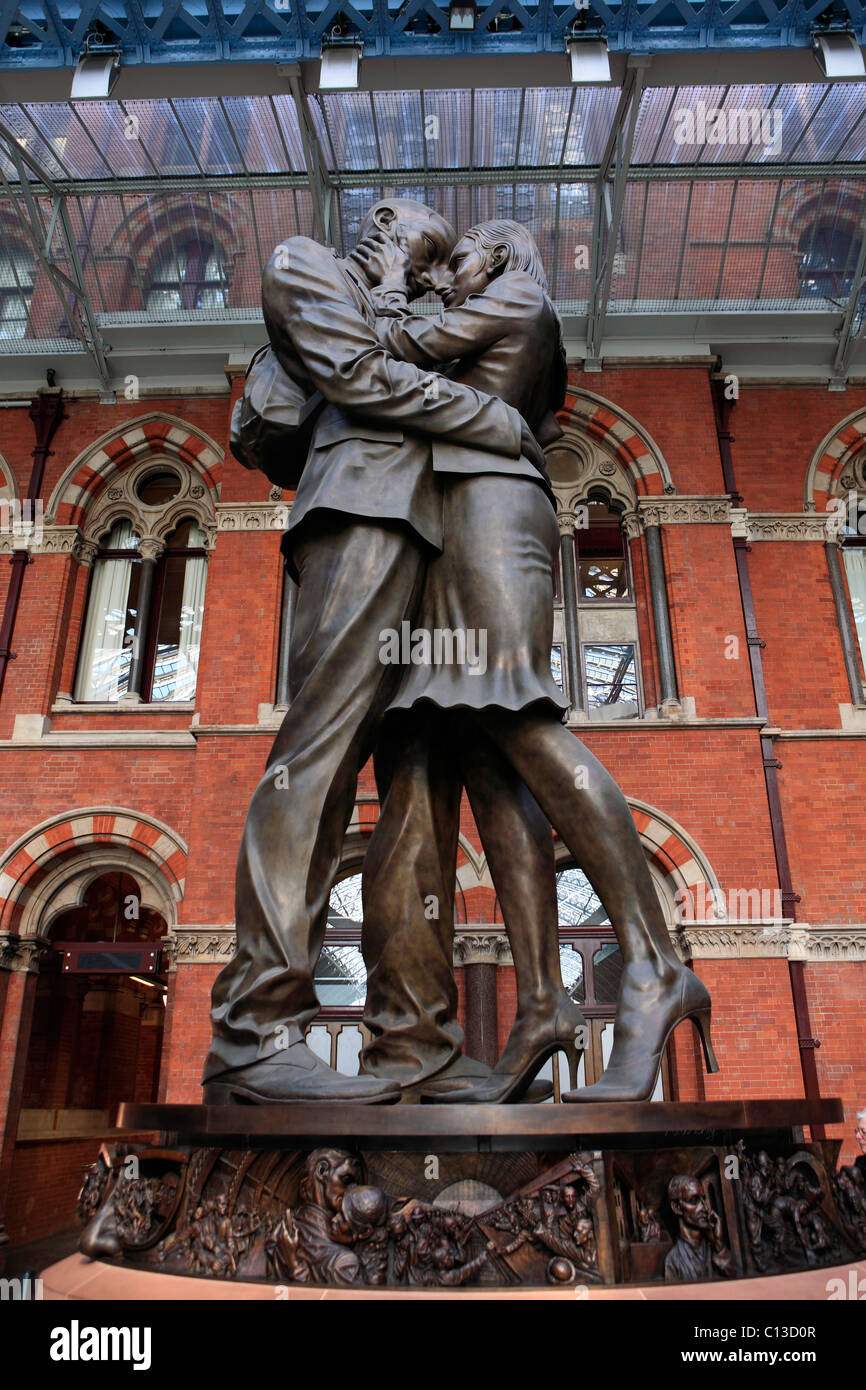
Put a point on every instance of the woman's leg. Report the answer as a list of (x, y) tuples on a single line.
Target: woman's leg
[(586, 806)]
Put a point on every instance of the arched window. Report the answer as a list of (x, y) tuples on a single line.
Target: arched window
[(191, 276), (17, 268), (828, 257), (606, 663), (145, 605)]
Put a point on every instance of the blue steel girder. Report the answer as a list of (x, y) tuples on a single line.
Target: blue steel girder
[(51, 33)]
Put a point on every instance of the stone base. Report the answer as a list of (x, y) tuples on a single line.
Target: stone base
[(78, 1279), (468, 1199)]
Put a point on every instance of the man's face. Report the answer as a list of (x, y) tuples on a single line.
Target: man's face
[(860, 1134), (342, 1175), (693, 1206), (469, 273), (427, 243)]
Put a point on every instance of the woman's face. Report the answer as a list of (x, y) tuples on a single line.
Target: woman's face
[(470, 272)]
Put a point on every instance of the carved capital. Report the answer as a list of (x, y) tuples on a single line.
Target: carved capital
[(252, 516), (150, 548), (566, 521), (199, 945), (21, 954), (632, 525)]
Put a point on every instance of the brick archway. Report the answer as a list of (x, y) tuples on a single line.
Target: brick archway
[(28, 863), (678, 861), (620, 435), (8, 486), (163, 436), (830, 459)]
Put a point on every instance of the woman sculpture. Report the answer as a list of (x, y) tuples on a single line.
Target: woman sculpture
[(495, 576)]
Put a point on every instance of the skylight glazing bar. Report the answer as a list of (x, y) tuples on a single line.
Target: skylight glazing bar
[(768, 247), (727, 240), (676, 293)]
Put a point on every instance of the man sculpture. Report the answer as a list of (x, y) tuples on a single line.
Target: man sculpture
[(425, 496)]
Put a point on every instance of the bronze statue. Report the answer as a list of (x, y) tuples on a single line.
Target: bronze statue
[(368, 511), (424, 498), (494, 575)]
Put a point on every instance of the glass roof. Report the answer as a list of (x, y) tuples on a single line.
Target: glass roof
[(736, 198)]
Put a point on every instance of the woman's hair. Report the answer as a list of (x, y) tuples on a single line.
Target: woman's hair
[(523, 254)]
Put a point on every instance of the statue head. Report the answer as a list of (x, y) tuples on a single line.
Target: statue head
[(688, 1203), (489, 250), (364, 1209), (426, 237), (329, 1172)]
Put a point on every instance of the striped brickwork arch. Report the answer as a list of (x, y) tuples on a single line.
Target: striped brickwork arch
[(829, 461), (622, 437), (67, 836), (160, 435)]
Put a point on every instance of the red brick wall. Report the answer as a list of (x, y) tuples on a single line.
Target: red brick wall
[(710, 781), (46, 1179)]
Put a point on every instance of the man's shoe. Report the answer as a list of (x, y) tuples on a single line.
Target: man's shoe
[(296, 1074), (467, 1074)]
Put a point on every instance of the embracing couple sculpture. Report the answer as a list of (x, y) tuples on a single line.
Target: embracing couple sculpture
[(423, 499)]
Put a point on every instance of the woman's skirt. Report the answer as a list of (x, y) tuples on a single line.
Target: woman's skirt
[(483, 631)]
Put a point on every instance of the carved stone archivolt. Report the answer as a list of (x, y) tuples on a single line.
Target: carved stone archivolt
[(153, 524)]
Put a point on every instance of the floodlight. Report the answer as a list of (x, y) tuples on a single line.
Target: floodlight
[(339, 71), (838, 54), (95, 74), (590, 60), (462, 15)]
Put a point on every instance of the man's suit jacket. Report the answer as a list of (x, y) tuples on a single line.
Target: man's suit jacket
[(374, 462)]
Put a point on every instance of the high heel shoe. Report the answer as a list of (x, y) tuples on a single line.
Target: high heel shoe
[(647, 1014), (534, 1038)]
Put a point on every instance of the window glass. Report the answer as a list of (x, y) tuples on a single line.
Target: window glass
[(611, 681), (191, 277), (556, 666), (854, 558), (602, 563), (16, 290), (181, 612), (112, 614)]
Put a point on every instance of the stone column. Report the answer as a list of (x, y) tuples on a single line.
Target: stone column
[(480, 951), (568, 580), (20, 958), (150, 551)]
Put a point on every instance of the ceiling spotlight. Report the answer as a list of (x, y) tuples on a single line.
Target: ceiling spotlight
[(340, 62), (96, 72), (590, 60), (462, 16), (838, 54)]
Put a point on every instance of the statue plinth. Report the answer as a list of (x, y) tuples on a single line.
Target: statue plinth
[(474, 1197)]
